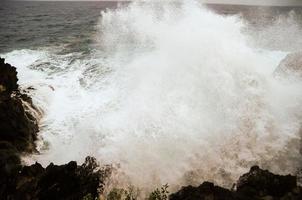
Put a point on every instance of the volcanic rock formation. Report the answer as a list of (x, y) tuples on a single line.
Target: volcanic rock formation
[(257, 184), (18, 133)]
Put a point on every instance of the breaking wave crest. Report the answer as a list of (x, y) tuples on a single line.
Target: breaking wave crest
[(174, 94)]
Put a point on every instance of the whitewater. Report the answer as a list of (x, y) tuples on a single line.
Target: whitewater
[(172, 93)]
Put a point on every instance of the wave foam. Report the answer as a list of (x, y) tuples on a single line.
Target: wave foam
[(174, 96)]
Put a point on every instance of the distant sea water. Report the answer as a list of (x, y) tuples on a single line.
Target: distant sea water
[(31, 25), (174, 93)]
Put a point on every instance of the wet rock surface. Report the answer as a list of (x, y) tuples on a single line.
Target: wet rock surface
[(8, 78), (18, 125), (68, 181), (18, 133), (206, 191), (260, 182), (257, 184)]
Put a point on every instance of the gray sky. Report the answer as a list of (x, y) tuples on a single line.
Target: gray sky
[(259, 2), (248, 2)]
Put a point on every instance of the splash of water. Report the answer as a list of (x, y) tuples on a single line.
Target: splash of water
[(175, 95)]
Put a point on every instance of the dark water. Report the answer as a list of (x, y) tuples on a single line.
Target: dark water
[(72, 26), (32, 25)]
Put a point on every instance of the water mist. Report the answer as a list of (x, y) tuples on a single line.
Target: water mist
[(173, 94)]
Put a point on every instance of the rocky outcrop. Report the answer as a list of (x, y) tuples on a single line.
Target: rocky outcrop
[(64, 182), (18, 124), (8, 78), (206, 191), (257, 184), (18, 133), (291, 65), (18, 120)]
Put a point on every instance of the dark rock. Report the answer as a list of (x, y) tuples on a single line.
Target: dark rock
[(18, 123), (9, 160), (8, 78), (18, 126), (257, 184), (206, 191), (18, 133), (68, 181)]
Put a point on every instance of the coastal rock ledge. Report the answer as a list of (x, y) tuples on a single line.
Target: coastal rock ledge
[(19, 120), (18, 125), (257, 184)]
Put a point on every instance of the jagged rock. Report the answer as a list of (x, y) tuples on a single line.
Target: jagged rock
[(206, 191), (8, 78), (18, 132), (291, 65), (62, 182), (18, 123), (261, 183), (257, 184)]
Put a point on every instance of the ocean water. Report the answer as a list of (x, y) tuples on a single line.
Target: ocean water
[(32, 25), (174, 93)]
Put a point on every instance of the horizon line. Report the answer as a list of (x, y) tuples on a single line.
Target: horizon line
[(211, 2)]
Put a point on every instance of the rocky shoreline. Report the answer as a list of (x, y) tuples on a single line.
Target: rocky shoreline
[(19, 120), (255, 185)]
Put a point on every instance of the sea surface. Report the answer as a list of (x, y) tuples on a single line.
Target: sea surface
[(74, 25), (174, 93), (30, 25)]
